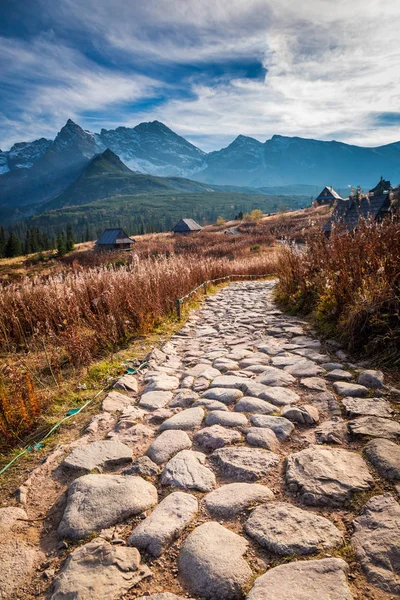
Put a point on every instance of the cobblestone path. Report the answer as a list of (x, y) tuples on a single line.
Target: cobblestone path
[(247, 461)]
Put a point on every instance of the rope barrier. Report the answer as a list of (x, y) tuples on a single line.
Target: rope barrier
[(71, 413)]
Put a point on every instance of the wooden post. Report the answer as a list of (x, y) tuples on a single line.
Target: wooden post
[(178, 309), (205, 288)]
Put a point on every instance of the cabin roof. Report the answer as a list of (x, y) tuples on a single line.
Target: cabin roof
[(187, 225), (348, 212), (114, 236), (331, 191)]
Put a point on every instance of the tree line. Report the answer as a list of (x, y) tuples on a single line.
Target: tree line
[(12, 243)]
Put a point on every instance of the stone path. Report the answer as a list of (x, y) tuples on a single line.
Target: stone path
[(247, 461)]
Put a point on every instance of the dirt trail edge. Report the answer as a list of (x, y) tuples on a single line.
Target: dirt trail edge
[(247, 461)]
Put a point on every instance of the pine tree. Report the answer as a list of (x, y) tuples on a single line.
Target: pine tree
[(70, 238), (13, 246), (61, 244), (27, 244), (2, 241)]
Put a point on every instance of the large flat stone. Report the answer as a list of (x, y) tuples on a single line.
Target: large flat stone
[(155, 400), (211, 564), (305, 368), (165, 524), (274, 376), (98, 455), (127, 431), (230, 500), (226, 418), (304, 580), (209, 404), (216, 436), (367, 406), (285, 529), (375, 427), (371, 378), (385, 456), (186, 420), (127, 383), (187, 470), (162, 382), (350, 389), (115, 402), (227, 381), (315, 384), (286, 359), (99, 570), (326, 476), (224, 395), (203, 370), (247, 404), (245, 464), (280, 426), (263, 438), (183, 399), (339, 375), (98, 501), (280, 396), (376, 542), (167, 444)]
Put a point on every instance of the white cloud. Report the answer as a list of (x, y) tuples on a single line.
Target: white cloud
[(53, 82), (332, 67)]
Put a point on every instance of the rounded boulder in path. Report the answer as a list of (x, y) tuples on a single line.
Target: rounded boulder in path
[(211, 563)]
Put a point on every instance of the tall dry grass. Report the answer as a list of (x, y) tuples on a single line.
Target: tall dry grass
[(351, 284), (83, 313)]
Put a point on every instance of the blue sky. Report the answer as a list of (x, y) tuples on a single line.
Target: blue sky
[(209, 69)]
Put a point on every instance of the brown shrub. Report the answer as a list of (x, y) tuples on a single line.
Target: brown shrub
[(351, 283)]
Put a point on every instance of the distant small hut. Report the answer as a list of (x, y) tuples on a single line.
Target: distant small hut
[(327, 196), (375, 205), (114, 239), (187, 226)]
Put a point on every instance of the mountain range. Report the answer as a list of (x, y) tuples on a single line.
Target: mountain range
[(32, 174)]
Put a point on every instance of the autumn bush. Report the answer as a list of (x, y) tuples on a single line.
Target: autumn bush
[(350, 283)]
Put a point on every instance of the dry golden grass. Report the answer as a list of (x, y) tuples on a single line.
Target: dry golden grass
[(351, 284)]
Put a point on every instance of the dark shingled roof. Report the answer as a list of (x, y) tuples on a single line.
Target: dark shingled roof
[(186, 225), (114, 236), (348, 212), (328, 192)]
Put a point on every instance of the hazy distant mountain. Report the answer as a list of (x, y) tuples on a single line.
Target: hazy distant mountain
[(23, 155), (39, 171), (287, 161)]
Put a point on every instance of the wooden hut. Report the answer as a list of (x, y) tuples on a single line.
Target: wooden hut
[(327, 196), (187, 226), (114, 239), (375, 205)]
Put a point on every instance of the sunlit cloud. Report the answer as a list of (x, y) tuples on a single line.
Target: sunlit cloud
[(210, 70)]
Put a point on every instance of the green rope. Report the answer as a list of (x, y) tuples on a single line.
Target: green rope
[(71, 413)]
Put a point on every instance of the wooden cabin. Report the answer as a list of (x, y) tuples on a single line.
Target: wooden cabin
[(375, 205), (114, 239), (327, 196), (186, 226)]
